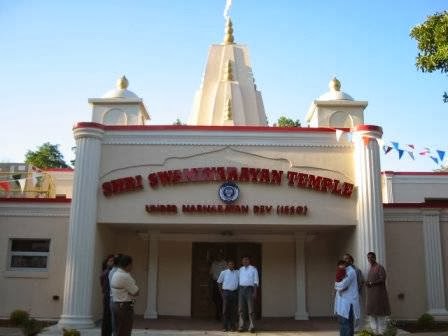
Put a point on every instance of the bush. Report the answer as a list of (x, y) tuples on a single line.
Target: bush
[(365, 332), (19, 317), (425, 322), (71, 332), (32, 327)]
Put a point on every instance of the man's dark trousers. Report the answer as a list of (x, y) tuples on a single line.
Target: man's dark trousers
[(246, 307), (124, 317), (229, 306), (347, 326)]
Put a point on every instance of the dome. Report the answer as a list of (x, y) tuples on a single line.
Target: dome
[(335, 92), (121, 91)]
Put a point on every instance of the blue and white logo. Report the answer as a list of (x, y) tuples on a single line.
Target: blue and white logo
[(229, 192)]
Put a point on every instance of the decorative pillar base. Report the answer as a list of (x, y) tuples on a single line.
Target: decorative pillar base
[(301, 317), (439, 314), (76, 322)]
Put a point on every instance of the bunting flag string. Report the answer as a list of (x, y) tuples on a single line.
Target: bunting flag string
[(436, 155), (5, 185)]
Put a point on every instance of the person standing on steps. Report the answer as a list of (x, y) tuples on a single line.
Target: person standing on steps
[(377, 305), (123, 290), (247, 294), (228, 282)]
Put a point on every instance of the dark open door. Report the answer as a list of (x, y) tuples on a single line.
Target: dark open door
[(203, 254)]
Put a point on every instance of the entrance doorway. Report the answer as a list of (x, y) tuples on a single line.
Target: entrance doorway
[(202, 305)]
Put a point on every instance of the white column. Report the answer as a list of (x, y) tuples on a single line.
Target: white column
[(76, 311), (435, 288), (301, 312), (370, 229), (153, 265)]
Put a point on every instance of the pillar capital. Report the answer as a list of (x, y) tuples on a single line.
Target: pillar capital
[(371, 131), (88, 130)]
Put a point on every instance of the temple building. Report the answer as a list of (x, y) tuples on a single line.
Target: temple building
[(174, 196)]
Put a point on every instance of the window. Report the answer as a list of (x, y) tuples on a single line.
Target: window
[(28, 254)]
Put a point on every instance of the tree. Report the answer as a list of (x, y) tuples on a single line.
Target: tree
[(432, 38), (287, 122), (46, 156)]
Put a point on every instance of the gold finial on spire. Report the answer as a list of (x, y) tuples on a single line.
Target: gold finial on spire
[(229, 109), (228, 37), (229, 71), (122, 83), (335, 84)]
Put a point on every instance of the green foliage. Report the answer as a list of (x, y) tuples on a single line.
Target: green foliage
[(46, 156), (287, 122), (32, 327), (425, 322), (365, 332), (432, 43), (71, 332), (19, 317), (178, 122)]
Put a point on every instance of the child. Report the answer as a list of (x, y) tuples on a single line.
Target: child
[(340, 271)]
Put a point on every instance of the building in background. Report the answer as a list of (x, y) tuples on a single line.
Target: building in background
[(295, 199)]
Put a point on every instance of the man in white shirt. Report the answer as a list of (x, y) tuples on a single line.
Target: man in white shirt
[(228, 282), (123, 290), (346, 305), (217, 266), (248, 284)]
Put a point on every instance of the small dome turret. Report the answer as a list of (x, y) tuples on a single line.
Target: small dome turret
[(335, 92), (121, 90)]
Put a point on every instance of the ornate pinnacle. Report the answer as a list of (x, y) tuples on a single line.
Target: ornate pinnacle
[(229, 71), (229, 109), (335, 84), (122, 83), (228, 37)]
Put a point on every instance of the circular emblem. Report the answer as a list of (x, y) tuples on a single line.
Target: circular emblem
[(229, 192)]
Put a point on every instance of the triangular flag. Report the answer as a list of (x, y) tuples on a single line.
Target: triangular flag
[(22, 184), (5, 185), (380, 142), (400, 153), (411, 146), (395, 145), (366, 140), (425, 151), (339, 134), (34, 177), (436, 160), (411, 155), (387, 149), (441, 154)]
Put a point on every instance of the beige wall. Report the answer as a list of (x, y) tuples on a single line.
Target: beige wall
[(324, 208), (26, 290), (406, 269), (322, 254), (174, 281), (128, 242), (278, 279), (444, 237)]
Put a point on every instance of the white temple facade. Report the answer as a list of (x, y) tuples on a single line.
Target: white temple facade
[(304, 197)]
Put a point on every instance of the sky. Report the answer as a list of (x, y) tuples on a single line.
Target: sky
[(54, 55)]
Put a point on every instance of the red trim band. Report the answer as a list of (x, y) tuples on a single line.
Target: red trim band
[(369, 128), (207, 128), (59, 170), (35, 200)]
